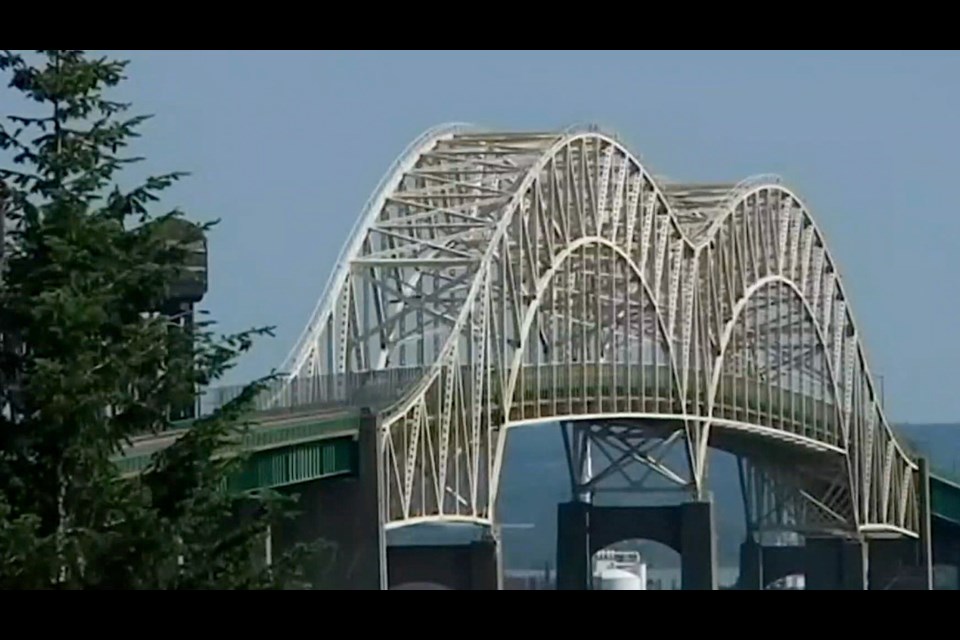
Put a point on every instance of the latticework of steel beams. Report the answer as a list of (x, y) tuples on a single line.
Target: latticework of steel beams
[(510, 278)]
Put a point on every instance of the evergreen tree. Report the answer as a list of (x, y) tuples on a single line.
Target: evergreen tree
[(88, 361)]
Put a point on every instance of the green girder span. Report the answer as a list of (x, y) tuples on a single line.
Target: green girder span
[(283, 453)]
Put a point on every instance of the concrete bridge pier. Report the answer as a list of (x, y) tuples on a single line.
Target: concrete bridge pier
[(761, 565), (476, 566), (573, 546), (906, 564), (583, 529), (830, 563), (835, 564), (345, 513), (898, 565), (698, 547), (946, 554)]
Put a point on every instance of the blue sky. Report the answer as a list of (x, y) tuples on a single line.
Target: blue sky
[(285, 148)]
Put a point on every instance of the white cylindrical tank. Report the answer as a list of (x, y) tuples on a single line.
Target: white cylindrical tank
[(614, 579), (642, 573)]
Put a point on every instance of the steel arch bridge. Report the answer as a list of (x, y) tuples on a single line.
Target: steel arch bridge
[(498, 279)]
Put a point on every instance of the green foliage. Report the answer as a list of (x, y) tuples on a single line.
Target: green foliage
[(93, 355)]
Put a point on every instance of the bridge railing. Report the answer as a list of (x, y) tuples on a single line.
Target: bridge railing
[(379, 389), (373, 389)]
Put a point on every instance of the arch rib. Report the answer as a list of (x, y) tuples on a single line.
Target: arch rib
[(799, 239)]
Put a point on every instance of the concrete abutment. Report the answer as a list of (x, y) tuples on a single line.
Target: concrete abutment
[(465, 567), (344, 512), (837, 564)]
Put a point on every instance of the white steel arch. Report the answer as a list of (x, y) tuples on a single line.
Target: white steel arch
[(502, 278), (295, 361), (880, 474)]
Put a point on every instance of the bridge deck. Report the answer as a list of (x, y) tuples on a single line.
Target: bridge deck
[(287, 448), (295, 430)]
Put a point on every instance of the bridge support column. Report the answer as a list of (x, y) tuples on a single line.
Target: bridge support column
[(751, 567), (925, 556), (906, 564), (898, 565), (486, 565), (834, 564), (946, 555), (583, 529), (698, 547), (762, 565), (573, 546), (465, 567), (346, 513)]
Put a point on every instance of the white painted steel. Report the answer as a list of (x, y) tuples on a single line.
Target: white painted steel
[(497, 279), (619, 580)]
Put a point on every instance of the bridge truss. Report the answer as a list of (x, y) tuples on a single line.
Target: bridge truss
[(498, 279)]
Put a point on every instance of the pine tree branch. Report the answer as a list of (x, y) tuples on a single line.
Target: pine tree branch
[(88, 361)]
